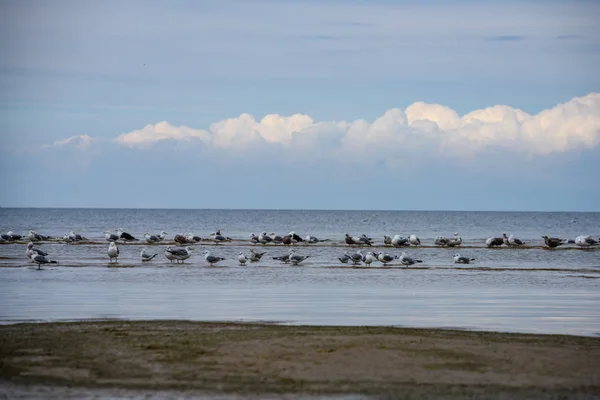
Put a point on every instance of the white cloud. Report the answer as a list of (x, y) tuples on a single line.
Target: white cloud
[(158, 132), (432, 128), (80, 142)]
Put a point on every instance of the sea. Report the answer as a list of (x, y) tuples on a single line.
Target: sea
[(529, 290)]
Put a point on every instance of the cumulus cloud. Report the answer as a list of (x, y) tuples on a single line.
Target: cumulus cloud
[(80, 142), (433, 128), (158, 132)]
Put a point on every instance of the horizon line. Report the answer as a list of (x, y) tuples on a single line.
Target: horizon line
[(293, 209)]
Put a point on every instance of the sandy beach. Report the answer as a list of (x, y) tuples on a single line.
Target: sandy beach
[(203, 358)]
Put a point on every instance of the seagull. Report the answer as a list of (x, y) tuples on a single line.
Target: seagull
[(385, 258), (76, 237), (369, 258), (363, 239), (211, 259), (5, 236), (414, 240), (314, 239), (585, 241), (295, 237), (553, 242), (296, 259), (348, 239), (174, 254), (512, 240), (180, 239), (14, 236), (151, 238), (254, 256), (494, 242), (162, 236), (31, 251), (110, 237), (218, 238), (40, 259), (263, 238), (399, 241), (284, 258), (36, 237), (345, 258), (455, 241), (276, 238), (191, 238), (242, 259), (68, 239), (146, 256), (253, 238), (126, 237), (387, 240), (441, 241), (458, 259), (406, 260), (113, 252), (357, 257)]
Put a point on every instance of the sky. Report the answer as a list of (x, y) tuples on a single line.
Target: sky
[(300, 104)]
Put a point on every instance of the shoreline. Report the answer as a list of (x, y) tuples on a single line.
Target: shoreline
[(249, 359)]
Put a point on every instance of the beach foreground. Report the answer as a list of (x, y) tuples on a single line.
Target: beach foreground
[(185, 358)]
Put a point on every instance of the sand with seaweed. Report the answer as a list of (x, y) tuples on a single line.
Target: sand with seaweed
[(261, 359)]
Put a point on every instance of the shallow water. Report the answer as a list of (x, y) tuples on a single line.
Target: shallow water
[(526, 290)]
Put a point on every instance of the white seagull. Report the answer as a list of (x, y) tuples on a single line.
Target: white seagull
[(242, 259), (113, 252)]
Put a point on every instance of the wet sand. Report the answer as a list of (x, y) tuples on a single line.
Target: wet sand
[(180, 358)]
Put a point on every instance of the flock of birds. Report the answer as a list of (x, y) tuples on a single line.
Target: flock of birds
[(178, 254)]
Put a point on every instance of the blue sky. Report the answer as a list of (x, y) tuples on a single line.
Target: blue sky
[(487, 105)]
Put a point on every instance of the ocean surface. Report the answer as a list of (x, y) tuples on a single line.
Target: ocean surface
[(515, 290)]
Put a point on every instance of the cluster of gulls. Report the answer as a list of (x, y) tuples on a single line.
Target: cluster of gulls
[(178, 254)]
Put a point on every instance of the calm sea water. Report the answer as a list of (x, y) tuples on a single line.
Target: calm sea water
[(527, 290)]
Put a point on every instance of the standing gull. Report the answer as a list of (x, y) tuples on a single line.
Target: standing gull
[(212, 260), (552, 242), (113, 252), (40, 259), (242, 259), (369, 258), (344, 259), (513, 241), (31, 251), (284, 258), (357, 257), (146, 256), (386, 258), (458, 259), (406, 260), (296, 259), (255, 256), (174, 254), (441, 241)]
